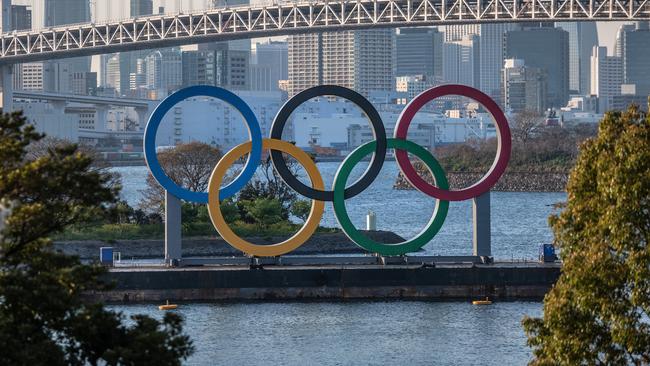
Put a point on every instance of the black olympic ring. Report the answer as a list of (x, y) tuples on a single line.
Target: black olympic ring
[(378, 131)]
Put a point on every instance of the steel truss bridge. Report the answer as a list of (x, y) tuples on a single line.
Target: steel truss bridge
[(298, 17)]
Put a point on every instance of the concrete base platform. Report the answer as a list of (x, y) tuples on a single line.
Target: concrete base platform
[(327, 260), (500, 281)]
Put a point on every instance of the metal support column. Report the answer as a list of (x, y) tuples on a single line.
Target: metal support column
[(173, 243), (6, 71), (482, 231)]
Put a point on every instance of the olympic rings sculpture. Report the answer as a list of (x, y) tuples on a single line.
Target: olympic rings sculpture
[(340, 191)]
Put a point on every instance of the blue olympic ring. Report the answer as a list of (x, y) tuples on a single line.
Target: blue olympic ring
[(254, 131)]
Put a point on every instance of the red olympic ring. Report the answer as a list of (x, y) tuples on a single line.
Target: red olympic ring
[(504, 145)]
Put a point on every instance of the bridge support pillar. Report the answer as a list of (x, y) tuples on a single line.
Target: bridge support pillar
[(58, 106), (101, 113), (143, 115), (7, 83), (482, 227), (173, 240)]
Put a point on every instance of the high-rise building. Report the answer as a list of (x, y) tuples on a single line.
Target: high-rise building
[(270, 65), (5, 14), (113, 74), (128, 60), (240, 44), (83, 83), (619, 45), (583, 37), (606, 77), (546, 48), (219, 66), (305, 61), (458, 31), (164, 71), (635, 47), (524, 88), (237, 65), (32, 76), (491, 60), (360, 60), (419, 52), (461, 64), (21, 17), (56, 75), (199, 68), (141, 7), (490, 53), (138, 80), (62, 12)]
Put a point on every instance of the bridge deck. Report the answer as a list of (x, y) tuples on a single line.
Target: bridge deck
[(298, 17)]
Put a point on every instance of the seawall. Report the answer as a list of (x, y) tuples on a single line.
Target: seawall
[(509, 182), (319, 243), (501, 281)]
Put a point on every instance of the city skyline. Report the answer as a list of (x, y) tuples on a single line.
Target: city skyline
[(542, 67)]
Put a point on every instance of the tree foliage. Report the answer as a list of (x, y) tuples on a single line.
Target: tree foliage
[(524, 125), (264, 211), (301, 209), (598, 311), (188, 165), (269, 185), (43, 317), (540, 149)]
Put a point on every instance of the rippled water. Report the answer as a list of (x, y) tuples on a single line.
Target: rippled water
[(378, 333), (356, 333), (519, 220)]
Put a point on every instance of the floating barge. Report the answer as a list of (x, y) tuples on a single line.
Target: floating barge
[(370, 278)]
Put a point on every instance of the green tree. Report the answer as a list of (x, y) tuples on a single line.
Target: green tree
[(264, 211), (189, 165), (229, 211), (597, 313), (44, 319), (301, 209), (268, 184)]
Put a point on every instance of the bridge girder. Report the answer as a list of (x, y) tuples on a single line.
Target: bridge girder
[(298, 17)]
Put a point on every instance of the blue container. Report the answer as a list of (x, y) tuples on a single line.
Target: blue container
[(106, 255), (547, 253)]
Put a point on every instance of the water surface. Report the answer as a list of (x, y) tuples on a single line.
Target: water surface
[(519, 220), (355, 333)]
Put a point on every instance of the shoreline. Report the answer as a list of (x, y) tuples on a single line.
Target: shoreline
[(320, 243), (509, 182)]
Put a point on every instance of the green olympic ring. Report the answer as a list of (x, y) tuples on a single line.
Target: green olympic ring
[(412, 245)]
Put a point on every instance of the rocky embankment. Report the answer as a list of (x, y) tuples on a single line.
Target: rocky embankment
[(321, 243), (509, 182)]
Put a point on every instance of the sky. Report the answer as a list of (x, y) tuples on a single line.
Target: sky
[(119, 9)]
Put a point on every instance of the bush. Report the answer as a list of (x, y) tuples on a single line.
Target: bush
[(264, 211), (301, 209), (230, 211)]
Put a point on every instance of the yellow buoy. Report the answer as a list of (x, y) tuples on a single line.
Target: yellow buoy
[(482, 302), (167, 306)]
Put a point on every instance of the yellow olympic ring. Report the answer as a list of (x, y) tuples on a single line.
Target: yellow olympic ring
[(311, 224)]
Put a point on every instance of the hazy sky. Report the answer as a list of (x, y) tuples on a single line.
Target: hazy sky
[(119, 9)]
